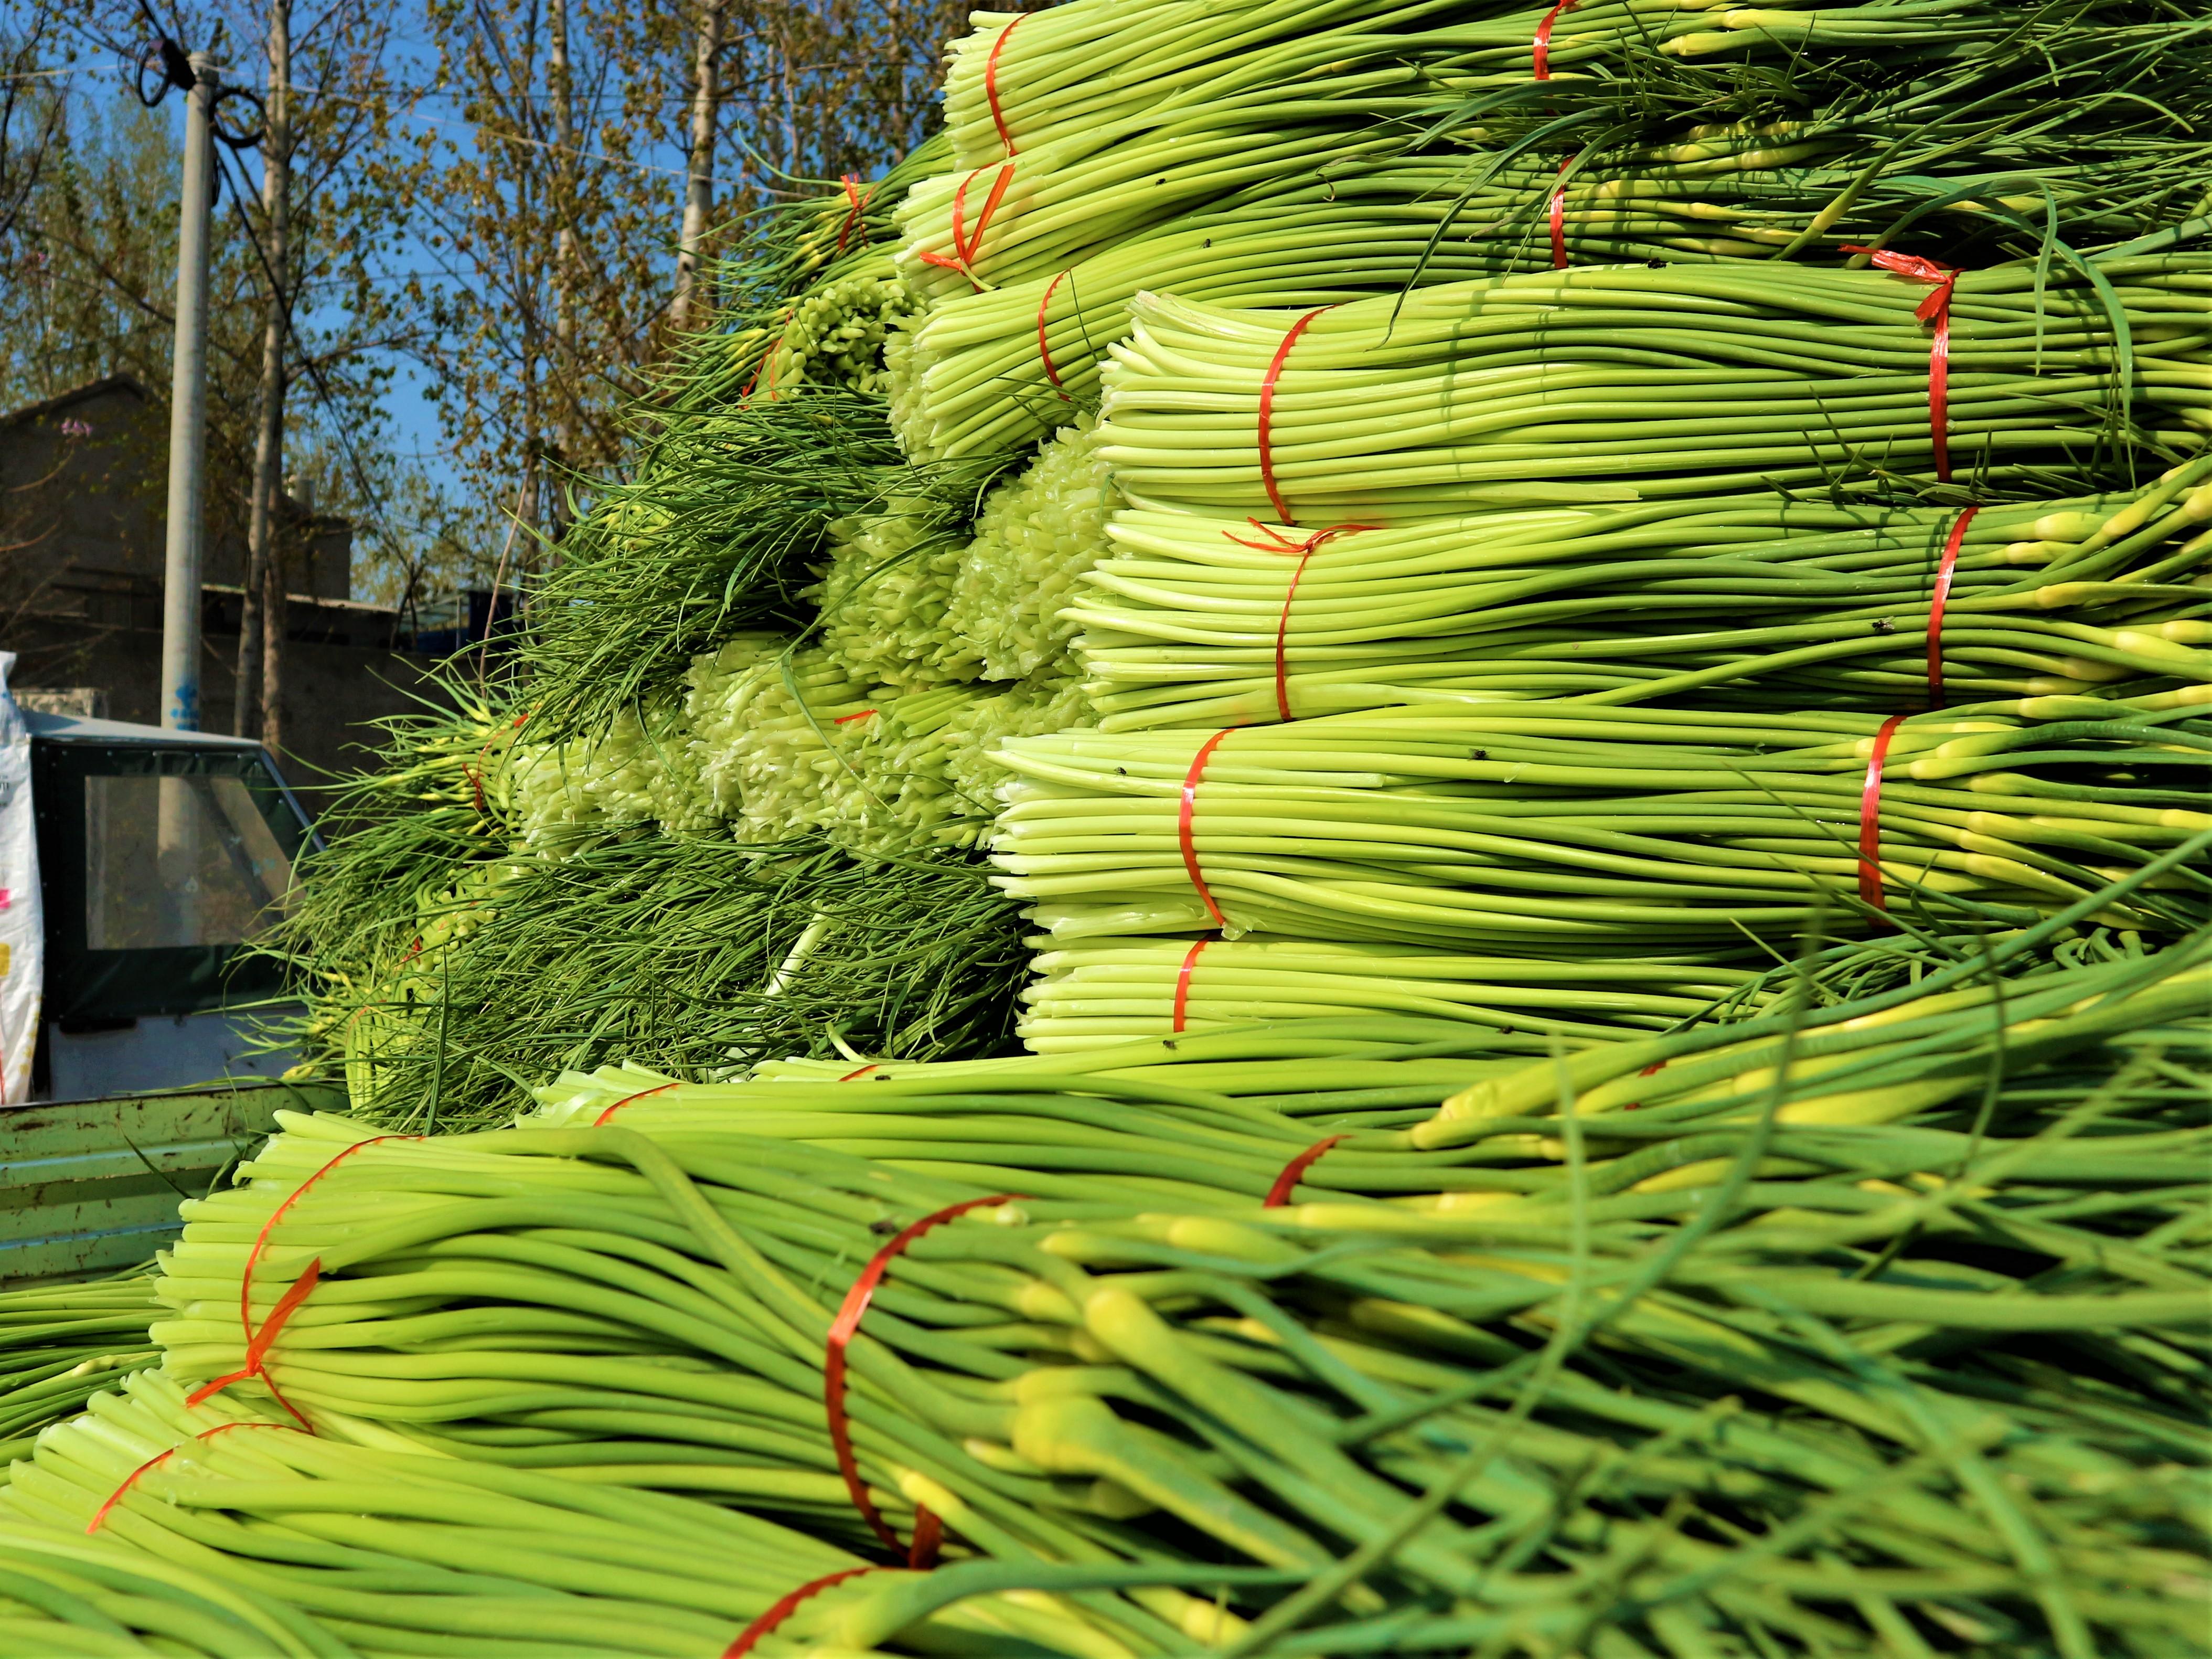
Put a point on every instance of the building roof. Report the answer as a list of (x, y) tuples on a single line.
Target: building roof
[(137, 387), (54, 405), (74, 728)]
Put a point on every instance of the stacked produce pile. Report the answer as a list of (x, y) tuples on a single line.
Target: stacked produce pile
[(1550, 497), (1573, 642), (1875, 1331), (1588, 389), (62, 1344), (1301, 155), (1733, 600)]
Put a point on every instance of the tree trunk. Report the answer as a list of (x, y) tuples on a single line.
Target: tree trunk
[(900, 130), (699, 186), (262, 629), (565, 381), (246, 713)]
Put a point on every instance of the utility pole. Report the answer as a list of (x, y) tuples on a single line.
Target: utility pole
[(180, 594), (177, 823)]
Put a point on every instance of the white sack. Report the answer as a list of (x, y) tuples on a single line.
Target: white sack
[(23, 930)]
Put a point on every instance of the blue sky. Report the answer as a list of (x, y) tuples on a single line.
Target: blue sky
[(414, 431)]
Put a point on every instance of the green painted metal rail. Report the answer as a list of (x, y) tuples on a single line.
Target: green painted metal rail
[(90, 1186)]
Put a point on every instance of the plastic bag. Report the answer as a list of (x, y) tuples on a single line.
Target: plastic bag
[(22, 928)]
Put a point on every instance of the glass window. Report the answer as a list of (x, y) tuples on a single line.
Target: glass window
[(177, 860)]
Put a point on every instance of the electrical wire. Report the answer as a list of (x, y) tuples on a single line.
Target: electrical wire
[(291, 334)]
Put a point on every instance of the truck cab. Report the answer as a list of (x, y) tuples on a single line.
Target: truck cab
[(163, 855)]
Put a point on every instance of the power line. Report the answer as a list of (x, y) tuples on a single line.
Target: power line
[(284, 314), (541, 143)]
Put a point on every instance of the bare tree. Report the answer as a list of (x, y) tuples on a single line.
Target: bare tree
[(262, 628), (30, 115), (699, 175), (96, 233), (547, 218), (328, 99)]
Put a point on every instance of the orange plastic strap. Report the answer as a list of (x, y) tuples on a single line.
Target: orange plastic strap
[(476, 772), (863, 1071), (767, 361), (1870, 817), (852, 183), (847, 720), (1541, 51), (751, 1636), (960, 215), (1560, 218), (257, 1343), (1941, 597), (160, 1458), (601, 1119), (1638, 1105), (1278, 543), (129, 1481), (1937, 309), (1183, 981), (1294, 1171), (965, 248), (1044, 345), (1183, 826), (1268, 414), (927, 1530), (991, 81)]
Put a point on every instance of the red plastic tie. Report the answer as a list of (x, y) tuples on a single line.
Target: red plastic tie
[(1542, 52), (991, 81), (1870, 817), (863, 1071), (601, 1119), (129, 1481), (1937, 309), (257, 1343), (1942, 596), (927, 1529), (476, 772), (1294, 1171), (963, 248), (1278, 543), (1268, 414), (847, 720), (960, 247), (1183, 981), (749, 1636), (852, 183), (766, 365), (1638, 1105), (1044, 345), (767, 361), (160, 1458), (1560, 217), (1183, 828)]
